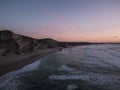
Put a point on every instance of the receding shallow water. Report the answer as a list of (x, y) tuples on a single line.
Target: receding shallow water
[(92, 67)]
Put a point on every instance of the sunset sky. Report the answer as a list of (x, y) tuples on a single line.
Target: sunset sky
[(63, 20)]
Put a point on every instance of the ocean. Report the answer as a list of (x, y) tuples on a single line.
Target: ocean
[(89, 67)]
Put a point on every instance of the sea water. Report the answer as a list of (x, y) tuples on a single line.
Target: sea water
[(89, 67)]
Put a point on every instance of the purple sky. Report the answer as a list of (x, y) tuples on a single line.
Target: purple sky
[(63, 20)]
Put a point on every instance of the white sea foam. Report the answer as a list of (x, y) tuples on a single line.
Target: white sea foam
[(93, 78), (68, 77), (65, 68), (71, 87), (6, 80), (106, 57)]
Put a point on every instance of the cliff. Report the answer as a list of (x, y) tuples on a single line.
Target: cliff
[(13, 43), (16, 44)]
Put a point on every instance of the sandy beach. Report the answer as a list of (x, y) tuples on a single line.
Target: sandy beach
[(14, 62)]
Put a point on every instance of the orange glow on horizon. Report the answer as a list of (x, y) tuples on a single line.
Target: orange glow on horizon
[(79, 34)]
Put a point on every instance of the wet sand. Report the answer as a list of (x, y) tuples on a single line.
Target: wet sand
[(14, 62)]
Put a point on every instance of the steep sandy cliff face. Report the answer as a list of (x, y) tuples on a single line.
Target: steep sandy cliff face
[(16, 44), (12, 43), (7, 43)]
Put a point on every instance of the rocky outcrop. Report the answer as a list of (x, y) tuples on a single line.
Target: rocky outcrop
[(16, 44), (7, 43)]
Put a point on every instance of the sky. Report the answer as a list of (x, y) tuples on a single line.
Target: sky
[(63, 20)]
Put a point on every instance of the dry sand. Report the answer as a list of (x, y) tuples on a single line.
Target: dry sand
[(14, 62)]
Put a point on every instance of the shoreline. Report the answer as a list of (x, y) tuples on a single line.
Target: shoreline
[(15, 62)]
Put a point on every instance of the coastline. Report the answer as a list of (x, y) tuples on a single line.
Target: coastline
[(14, 62)]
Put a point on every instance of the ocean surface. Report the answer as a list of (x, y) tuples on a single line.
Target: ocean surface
[(90, 67)]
